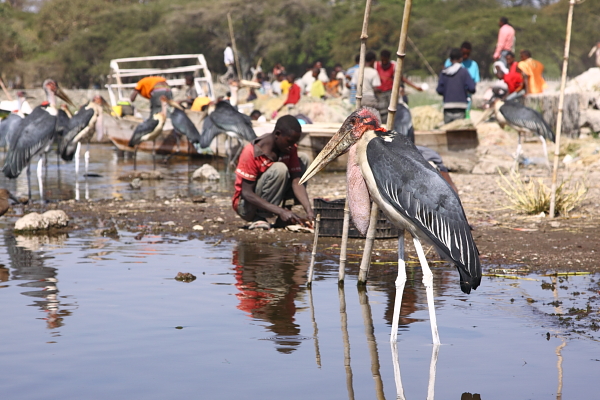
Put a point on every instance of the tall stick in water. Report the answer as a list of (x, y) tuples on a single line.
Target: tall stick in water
[(235, 52), (366, 259), (359, 91), (311, 267), (561, 102)]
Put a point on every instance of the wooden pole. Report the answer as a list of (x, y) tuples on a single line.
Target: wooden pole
[(371, 232), (5, 91), (359, 91), (235, 52), (561, 102)]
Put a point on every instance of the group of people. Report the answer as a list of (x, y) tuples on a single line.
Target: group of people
[(514, 79)]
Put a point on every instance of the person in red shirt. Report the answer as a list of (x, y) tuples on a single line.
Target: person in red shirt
[(513, 78), (268, 173), (293, 95)]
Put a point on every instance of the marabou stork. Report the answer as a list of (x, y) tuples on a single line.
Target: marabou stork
[(226, 119), (34, 136), (8, 127), (387, 168), (524, 120), (149, 130), (183, 124), (81, 128)]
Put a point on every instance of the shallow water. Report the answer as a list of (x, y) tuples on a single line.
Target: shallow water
[(106, 167), (94, 318)]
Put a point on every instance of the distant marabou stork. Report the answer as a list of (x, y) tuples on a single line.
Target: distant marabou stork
[(387, 168), (34, 136), (524, 120), (150, 129), (81, 128), (226, 119), (182, 124)]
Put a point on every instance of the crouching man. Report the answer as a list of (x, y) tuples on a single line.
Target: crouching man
[(268, 173)]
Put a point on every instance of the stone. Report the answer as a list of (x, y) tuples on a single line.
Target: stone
[(50, 219), (206, 172), (136, 183), (198, 228), (168, 223)]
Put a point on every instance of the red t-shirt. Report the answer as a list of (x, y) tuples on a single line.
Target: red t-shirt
[(386, 76), (253, 163), (513, 79), (293, 95)]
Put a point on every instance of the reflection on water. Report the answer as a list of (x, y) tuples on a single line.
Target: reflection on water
[(231, 317), (28, 264), (269, 283), (107, 165)]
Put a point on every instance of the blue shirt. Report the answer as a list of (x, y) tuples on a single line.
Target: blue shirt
[(350, 72), (470, 65)]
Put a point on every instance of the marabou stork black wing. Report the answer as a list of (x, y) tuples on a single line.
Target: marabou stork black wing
[(417, 191), (8, 127), (524, 117), (403, 122), (34, 134), (226, 118), (142, 129), (62, 124), (184, 125), (79, 122)]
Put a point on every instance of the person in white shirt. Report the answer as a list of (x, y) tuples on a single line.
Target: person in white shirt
[(370, 81), (229, 62)]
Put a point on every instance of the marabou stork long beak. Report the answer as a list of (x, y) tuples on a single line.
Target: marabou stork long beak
[(175, 104), (63, 96), (345, 137), (105, 106)]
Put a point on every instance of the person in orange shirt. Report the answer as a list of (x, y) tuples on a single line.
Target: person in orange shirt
[(152, 87), (532, 73)]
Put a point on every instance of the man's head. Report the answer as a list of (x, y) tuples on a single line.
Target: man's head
[(291, 78), (189, 80), (370, 58), (503, 21), (255, 115), (228, 44), (465, 49), (510, 58), (280, 77), (525, 54), (455, 55), (385, 56), (287, 134), (318, 64), (338, 67), (357, 58), (315, 72)]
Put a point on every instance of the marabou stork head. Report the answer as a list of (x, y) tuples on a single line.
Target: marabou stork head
[(175, 104), (362, 120), (51, 88), (102, 103)]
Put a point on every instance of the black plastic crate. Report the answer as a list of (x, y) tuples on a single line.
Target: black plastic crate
[(332, 220)]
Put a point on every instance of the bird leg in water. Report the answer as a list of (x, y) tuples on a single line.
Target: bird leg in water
[(76, 189), (86, 158), (40, 172), (545, 152), (135, 157), (28, 182), (428, 282), (400, 282), (77, 151), (154, 154), (519, 151)]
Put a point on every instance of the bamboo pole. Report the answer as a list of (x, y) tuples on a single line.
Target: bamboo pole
[(561, 102), (235, 52), (401, 53), (359, 90), (5, 91)]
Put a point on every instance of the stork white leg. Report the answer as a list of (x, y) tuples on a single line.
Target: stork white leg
[(86, 158), (545, 152), (28, 183), (518, 153), (397, 375), (77, 190), (428, 282), (77, 151), (87, 190), (40, 172), (432, 371), (400, 283)]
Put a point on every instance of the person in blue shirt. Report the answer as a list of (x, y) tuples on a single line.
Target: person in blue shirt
[(470, 65)]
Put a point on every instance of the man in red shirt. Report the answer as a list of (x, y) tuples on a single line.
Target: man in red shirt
[(513, 78), (268, 173), (293, 95), (385, 68)]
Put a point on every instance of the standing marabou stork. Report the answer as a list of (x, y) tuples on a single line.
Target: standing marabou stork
[(226, 119), (34, 136), (8, 127), (149, 130), (183, 124), (387, 168), (81, 128), (524, 120)]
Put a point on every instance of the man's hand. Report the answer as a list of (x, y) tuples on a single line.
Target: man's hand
[(289, 217)]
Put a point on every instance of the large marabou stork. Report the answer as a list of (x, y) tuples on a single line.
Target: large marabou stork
[(8, 127), (226, 119), (81, 128), (34, 136), (150, 129), (387, 168), (524, 120)]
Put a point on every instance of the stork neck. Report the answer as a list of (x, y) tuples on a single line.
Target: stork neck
[(50, 97)]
